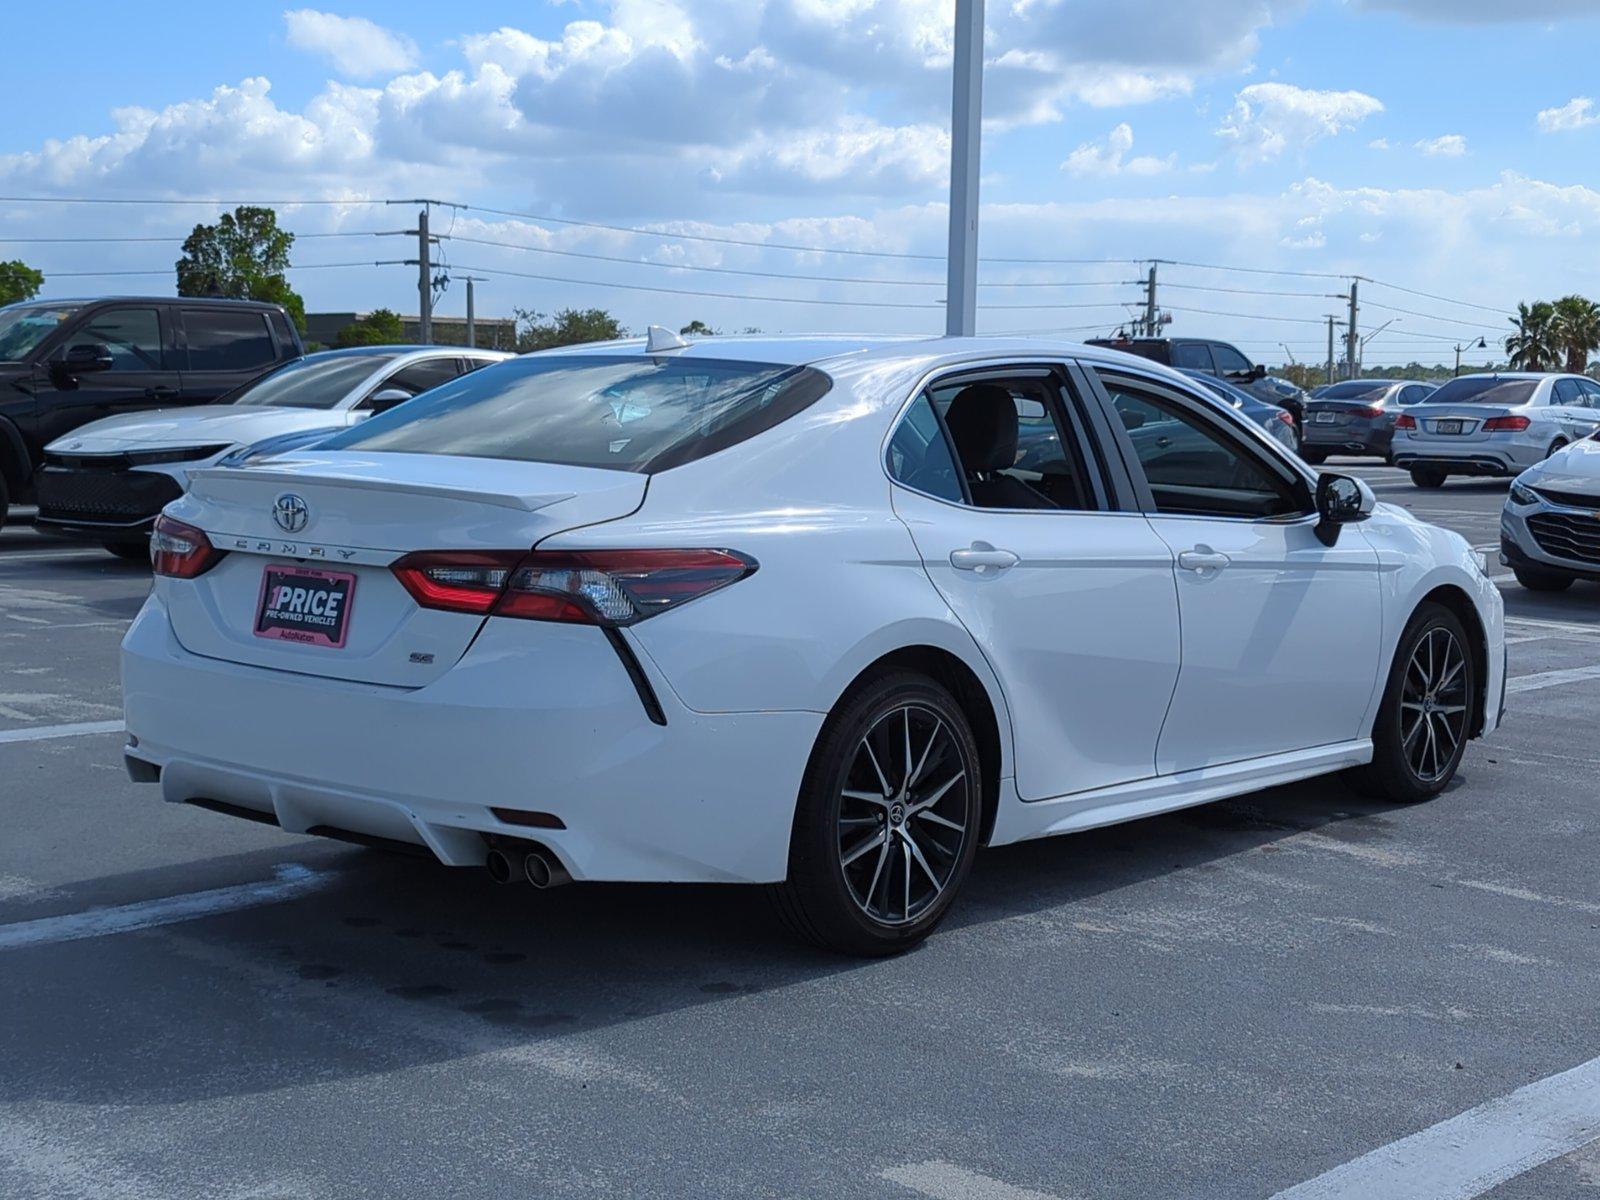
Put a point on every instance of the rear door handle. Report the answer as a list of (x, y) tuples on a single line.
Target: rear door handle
[(1203, 558), (983, 558), (161, 392)]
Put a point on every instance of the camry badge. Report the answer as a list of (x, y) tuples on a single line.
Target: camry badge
[(290, 513)]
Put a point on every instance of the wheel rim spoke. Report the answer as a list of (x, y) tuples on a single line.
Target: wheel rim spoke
[(877, 846), (1434, 697)]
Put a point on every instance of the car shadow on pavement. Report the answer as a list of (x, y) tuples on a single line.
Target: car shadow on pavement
[(397, 963)]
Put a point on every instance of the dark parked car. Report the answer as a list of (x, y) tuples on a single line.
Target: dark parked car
[(1356, 416), (1215, 358), (64, 363)]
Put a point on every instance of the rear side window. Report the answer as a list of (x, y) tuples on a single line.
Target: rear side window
[(919, 454), (280, 326), (1566, 391), (1193, 356), (133, 335), (224, 340), (624, 413)]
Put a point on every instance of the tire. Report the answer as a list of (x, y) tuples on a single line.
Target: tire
[(1428, 477), (1558, 444), (130, 551), (854, 808), (1425, 671), (1536, 580), (1314, 458)]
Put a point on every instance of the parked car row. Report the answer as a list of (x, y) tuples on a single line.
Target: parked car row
[(821, 614)]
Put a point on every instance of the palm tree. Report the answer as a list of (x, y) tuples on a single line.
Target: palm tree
[(1576, 331), (1533, 346)]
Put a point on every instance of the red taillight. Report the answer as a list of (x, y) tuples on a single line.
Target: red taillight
[(181, 551), (616, 587), (1405, 421), (591, 587), (465, 581), (1366, 411), (1285, 416), (1510, 424)]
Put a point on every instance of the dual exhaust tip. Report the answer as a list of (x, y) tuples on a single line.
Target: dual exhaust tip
[(536, 866)]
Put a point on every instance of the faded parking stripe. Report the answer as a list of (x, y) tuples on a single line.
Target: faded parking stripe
[(45, 733)]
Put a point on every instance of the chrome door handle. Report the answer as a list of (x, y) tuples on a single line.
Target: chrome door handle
[(982, 558), (1203, 559)]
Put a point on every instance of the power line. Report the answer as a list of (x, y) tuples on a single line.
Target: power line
[(39, 241), (1430, 296), (178, 200), (168, 270)]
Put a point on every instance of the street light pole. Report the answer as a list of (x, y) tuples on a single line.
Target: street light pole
[(966, 120)]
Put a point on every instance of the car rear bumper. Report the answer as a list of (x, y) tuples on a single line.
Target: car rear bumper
[(1494, 455), (1334, 440), (556, 729)]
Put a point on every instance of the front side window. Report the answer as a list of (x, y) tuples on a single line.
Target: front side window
[(1192, 356), (309, 382), (919, 454), (220, 340), (1566, 391), (133, 335), (24, 327), (1229, 360), (621, 412), (1193, 467)]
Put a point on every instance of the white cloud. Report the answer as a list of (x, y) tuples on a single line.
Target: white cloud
[(1486, 12), (1577, 113), (1379, 144), (1109, 157), (1270, 118), (356, 46), (1449, 145)]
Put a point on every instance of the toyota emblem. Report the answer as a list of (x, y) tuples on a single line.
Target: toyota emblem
[(290, 513)]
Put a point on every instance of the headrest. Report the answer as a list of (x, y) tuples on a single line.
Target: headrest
[(982, 420)]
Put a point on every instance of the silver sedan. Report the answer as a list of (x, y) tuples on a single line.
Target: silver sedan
[(1550, 527), (1493, 424)]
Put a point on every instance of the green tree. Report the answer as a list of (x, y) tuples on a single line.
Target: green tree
[(380, 327), (19, 281), (697, 328), (243, 256), (1533, 346), (1575, 331), (569, 327)]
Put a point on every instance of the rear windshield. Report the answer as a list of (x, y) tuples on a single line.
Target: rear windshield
[(1356, 389), (626, 413), (310, 382), (1485, 390)]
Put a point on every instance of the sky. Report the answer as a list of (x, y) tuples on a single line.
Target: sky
[(1445, 147)]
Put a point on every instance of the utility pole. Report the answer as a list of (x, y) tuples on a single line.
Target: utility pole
[(1331, 319), (472, 327), (966, 120), (1352, 342), (425, 278), (1150, 326)]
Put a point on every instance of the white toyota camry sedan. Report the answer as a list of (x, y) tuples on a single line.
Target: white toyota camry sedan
[(820, 614)]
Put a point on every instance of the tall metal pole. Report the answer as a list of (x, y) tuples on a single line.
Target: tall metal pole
[(1352, 344), (1150, 329), (1330, 347), (472, 329), (966, 120), (424, 279)]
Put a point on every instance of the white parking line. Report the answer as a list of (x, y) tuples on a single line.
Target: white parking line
[(292, 880), (1476, 1151), (946, 1181), (1544, 679), (45, 733), (47, 555), (1564, 626)]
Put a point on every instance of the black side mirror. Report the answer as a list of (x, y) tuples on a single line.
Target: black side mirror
[(1341, 499), (85, 359), (1256, 373), (386, 399)]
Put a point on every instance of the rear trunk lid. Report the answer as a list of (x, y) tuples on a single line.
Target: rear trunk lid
[(1340, 413), (345, 517), (1456, 422)]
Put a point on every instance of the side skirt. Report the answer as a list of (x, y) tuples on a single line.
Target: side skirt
[(1019, 820)]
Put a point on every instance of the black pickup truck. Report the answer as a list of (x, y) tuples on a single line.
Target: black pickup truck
[(1221, 359), (64, 363)]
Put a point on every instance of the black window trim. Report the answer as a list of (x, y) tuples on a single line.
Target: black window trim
[(180, 320), (1272, 456), (1069, 407)]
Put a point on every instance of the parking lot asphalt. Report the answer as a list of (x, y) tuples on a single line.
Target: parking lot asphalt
[(1225, 1002)]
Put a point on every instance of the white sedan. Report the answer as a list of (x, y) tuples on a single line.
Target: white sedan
[(822, 614), (107, 480), (1550, 526)]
